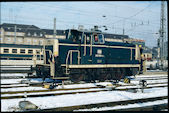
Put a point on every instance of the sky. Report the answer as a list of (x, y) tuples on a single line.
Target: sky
[(139, 19)]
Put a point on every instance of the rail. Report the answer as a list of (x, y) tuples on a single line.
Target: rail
[(16, 69)]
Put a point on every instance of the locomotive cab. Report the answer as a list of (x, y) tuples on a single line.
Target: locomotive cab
[(88, 37)]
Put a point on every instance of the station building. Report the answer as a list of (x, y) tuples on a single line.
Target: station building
[(33, 35)]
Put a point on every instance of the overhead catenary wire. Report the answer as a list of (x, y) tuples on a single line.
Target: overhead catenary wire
[(74, 11)]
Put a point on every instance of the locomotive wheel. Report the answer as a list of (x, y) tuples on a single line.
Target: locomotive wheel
[(134, 71), (103, 76), (76, 78), (118, 74)]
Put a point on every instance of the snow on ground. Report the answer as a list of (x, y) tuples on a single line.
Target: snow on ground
[(149, 81), (157, 70), (82, 99), (14, 74), (154, 76), (14, 85), (11, 81), (127, 106), (22, 89), (96, 89)]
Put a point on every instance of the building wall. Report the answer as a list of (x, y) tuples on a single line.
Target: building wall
[(1, 35), (9, 38), (57, 36)]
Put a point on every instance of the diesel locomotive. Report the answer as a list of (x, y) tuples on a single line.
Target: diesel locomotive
[(86, 56)]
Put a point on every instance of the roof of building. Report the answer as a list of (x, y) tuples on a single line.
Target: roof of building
[(51, 32), (10, 26), (29, 30), (34, 33)]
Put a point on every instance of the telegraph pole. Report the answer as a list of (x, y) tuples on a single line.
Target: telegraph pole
[(15, 35), (123, 27), (162, 33), (54, 32)]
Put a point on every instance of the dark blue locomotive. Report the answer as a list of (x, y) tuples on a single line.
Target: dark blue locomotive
[(85, 55)]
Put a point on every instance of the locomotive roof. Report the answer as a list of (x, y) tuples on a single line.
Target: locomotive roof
[(86, 31), (106, 35)]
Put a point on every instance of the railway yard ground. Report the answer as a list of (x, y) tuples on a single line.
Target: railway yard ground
[(98, 96)]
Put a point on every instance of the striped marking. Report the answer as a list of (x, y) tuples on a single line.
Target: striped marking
[(97, 46), (126, 80)]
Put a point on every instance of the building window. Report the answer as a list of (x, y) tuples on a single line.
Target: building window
[(35, 34), (35, 40), (19, 34), (8, 39), (14, 50), (19, 40), (40, 42), (9, 33), (29, 41), (30, 51), (22, 51), (1, 39), (6, 50)]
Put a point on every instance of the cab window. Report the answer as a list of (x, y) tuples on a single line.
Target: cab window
[(99, 38), (96, 38)]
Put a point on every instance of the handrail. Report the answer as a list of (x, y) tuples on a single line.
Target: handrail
[(84, 45), (70, 53)]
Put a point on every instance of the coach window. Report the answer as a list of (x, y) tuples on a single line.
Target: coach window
[(6, 50), (14, 50), (30, 51), (37, 51), (22, 51)]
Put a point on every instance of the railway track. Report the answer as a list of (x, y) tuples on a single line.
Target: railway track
[(110, 104), (16, 69), (146, 78), (68, 91), (8, 96), (145, 108), (40, 84)]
